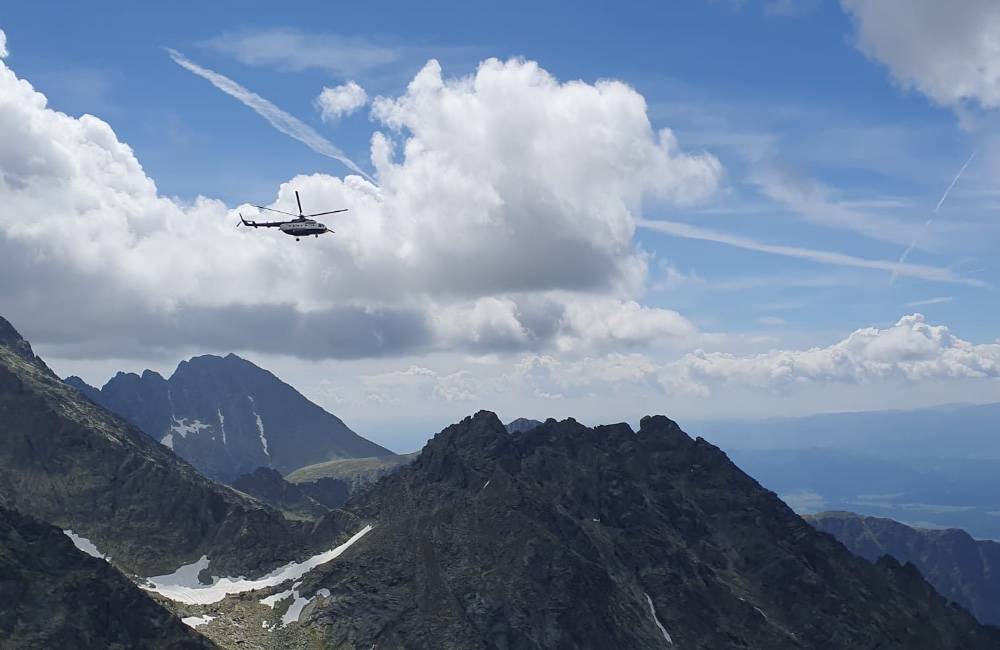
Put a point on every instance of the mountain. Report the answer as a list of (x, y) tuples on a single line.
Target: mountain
[(354, 473), (571, 537), (965, 570), (226, 416), (521, 425), (55, 596), (71, 463)]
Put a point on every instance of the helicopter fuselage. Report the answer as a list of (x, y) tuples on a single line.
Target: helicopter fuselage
[(303, 228)]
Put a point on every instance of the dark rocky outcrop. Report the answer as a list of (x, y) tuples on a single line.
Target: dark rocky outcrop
[(572, 537), (962, 569), (226, 416), (55, 596), (270, 487)]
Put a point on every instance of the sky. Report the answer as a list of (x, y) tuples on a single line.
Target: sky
[(710, 208)]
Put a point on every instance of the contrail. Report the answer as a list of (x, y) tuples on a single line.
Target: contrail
[(688, 231), (279, 119), (927, 224)]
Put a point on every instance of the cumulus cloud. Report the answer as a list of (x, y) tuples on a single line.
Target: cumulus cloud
[(902, 358), (507, 203), (910, 350), (334, 103), (3, 44), (949, 51), (420, 383)]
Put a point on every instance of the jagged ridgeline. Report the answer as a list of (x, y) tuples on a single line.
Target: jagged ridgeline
[(227, 417), (563, 536), (69, 462)]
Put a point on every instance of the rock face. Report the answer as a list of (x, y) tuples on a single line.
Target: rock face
[(71, 463), (522, 425), (962, 569), (270, 487), (226, 416), (570, 537), (55, 596)]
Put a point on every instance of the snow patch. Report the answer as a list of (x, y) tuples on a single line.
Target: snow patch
[(195, 621), (168, 440), (222, 426), (182, 428), (85, 545), (182, 585), (663, 630), (295, 609), (274, 599), (260, 427)]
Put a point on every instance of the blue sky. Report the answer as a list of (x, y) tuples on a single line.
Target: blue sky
[(831, 137)]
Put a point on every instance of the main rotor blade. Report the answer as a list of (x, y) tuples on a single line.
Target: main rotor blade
[(297, 200), (278, 211), (320, 214)]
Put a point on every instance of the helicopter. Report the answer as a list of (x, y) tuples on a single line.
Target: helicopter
[(302, 225)]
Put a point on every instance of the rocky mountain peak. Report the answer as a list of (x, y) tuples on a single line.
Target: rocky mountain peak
[(13, 339)]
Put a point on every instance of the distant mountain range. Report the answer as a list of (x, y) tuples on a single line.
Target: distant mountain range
[(227, 417), (962, 569)]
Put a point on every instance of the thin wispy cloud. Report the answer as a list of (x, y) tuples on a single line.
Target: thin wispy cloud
[(813, 202), (279, 119), (927, 224), (920, 271), (930, 301), (292, 50)]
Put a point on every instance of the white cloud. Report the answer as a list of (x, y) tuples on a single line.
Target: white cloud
[(949, 51), (3, 44), (596, 323), (291, 50), (510, 205), (334, 103), (417, 382), (911, 350)]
